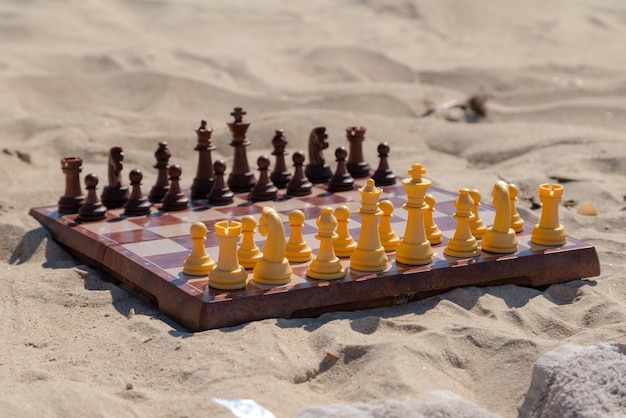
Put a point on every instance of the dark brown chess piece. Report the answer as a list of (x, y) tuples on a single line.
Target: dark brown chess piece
[(137, 204), (384, 176), (357, 166), (115, 194), (220, 194), (264, 189), (240, 179), (341, 181), (280, 175), (317, 171), (162, 185), (175, 198), (204, 179), (73, 198), (92, 208), (299, 184)]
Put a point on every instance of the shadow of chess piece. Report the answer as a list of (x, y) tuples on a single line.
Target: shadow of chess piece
[(384, 176), (280, 175), (264, 189), (317, 171), (175, 198), (204, 179), (341, 181), (73, 198), (92, 209), (299, 184), (357, 166), (162, 185), (240, 179), (220, 194), (137, 204), (114, 195)]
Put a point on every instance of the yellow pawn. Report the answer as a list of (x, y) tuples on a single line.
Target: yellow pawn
[(199, 262), (297, 249), (517, 223), (477, 225), (343, 243), (549, 231), (388, 237), (433, 233), (326, 265), (500, 237), (463, 244), (415, 249), (228, 274), (369, 254), (273, 267), (248, 252)]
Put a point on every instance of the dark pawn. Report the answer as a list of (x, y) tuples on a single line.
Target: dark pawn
[(175, 199), (138, 204), (162, 185), (356, 164), (92, 209), (204, 179), (299, 184), (384, 176), (115, 194), (73, 198), (342, 180), (220, 194), (264, 189), (280, 175)]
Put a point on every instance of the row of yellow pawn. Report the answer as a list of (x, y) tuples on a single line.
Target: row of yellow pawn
[(272, 266)]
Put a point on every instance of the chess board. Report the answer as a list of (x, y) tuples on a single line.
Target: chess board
[(147, 254)]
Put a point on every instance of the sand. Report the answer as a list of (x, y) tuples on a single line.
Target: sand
[(78, 77)]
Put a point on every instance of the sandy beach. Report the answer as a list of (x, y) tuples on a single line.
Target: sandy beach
[(79, 77)]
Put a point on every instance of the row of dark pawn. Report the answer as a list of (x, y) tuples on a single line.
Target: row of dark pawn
[(301, 182), (171, 197)]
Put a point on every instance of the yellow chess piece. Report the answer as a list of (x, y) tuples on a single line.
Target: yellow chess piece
[(433, 233), (273, 267), (500, 237), (198, 263), (369, 254), (228, 274), (517, 223), (476, 224), (297, 249), (415, 249), (326, 265), (343, 243), (463, 244), (549, 231), (388, 237), (248, 252)]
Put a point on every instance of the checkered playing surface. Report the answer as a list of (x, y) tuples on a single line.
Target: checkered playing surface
[(148, 253)]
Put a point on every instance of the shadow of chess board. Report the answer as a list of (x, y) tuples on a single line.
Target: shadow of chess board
[(147, 253)]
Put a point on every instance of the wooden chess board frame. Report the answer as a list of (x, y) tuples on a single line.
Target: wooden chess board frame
[(147, 253)]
